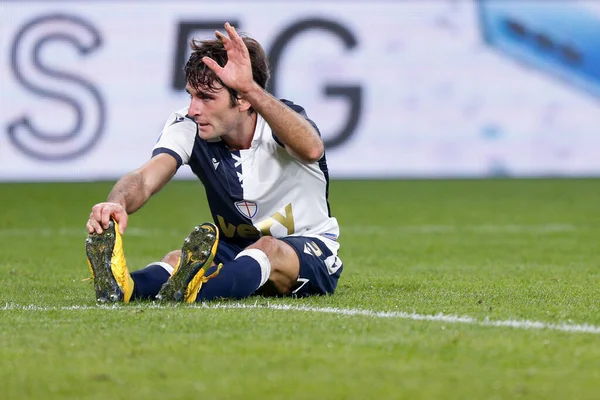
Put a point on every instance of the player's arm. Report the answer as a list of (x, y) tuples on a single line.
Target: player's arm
[(134, 189), (300, 138), (131, 192), (294, 131)]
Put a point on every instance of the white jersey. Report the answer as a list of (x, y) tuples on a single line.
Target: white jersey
[(254, 192)]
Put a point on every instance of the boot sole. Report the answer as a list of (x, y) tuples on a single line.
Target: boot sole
[(99, 249), (196, 254)]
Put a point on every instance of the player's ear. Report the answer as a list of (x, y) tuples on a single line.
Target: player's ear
[(243, 104)]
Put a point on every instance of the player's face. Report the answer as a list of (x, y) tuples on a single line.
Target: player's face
[(213, 113)]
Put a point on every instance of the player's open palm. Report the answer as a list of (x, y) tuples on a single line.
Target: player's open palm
[(237, 73)]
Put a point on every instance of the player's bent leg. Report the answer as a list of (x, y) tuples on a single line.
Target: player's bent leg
[(250, 269), (285, 265), (196, 257), (299, 266), (172, 258), (104, 251), (320, 267)]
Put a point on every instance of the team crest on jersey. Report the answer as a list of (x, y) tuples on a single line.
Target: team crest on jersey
[(247, 208)]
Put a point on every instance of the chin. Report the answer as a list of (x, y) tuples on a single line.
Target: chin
[(207, 134)]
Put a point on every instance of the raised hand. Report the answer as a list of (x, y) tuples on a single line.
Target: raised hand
[(237, 73)]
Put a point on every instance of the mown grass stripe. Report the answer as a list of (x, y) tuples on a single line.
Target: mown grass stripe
[(440, 317), (363, 229)]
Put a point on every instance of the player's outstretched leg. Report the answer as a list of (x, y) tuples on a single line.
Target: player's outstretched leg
[(106, 260), (197, 254)]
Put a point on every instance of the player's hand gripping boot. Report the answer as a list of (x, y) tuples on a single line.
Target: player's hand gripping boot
[(106, 260)]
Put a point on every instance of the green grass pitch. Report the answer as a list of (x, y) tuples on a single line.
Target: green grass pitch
[(452, 289)]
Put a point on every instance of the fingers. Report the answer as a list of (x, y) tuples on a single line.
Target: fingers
[(233, 35), (122, 219), (228, 44), (234, 39), (212, 64), (93, 226), (230, 31), (105, 216), (224, 39), (95, 219), (101, 215), (237, 72), (238, 41)]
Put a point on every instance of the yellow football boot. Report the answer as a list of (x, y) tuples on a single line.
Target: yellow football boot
[(197, 254), (106, 260)]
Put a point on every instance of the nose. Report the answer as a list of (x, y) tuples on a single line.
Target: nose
[(195, 107)]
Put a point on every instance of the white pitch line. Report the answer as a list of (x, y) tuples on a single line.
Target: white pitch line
[(453, 229), (450, 319)]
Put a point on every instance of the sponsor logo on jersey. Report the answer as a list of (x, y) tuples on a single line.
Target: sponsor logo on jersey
[(268, 227), (247, 208)]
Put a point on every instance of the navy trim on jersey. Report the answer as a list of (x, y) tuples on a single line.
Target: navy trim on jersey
[(300, 110), (162, 150), (277, 140), (325, 171), (213, 163)]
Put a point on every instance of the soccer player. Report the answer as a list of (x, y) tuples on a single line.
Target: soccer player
[(262, 163)]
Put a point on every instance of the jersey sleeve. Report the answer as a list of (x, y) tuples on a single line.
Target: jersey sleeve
[(300, 110), (177, 137)]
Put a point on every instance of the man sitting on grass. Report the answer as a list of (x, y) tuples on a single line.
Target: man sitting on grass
[(262, 163)]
